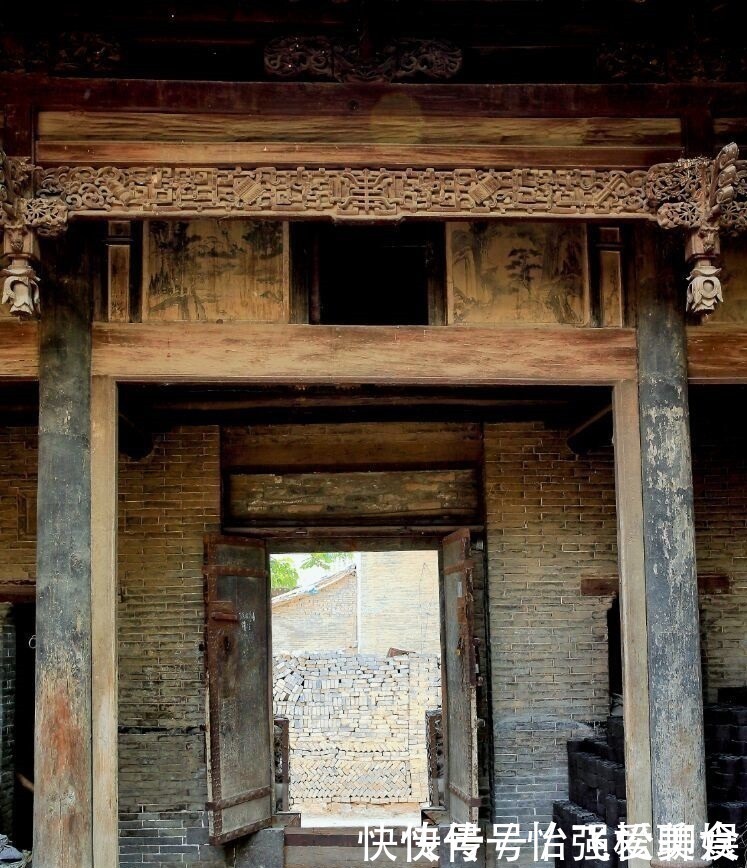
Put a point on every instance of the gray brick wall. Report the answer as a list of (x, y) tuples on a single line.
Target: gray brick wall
[(550, 523), (167, 503), (720, 482), (324, 621), (7, 709)]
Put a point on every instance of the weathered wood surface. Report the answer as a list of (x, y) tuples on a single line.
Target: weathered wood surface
[(154, 352), (238, 641), (365, 496), (62, 770), (366, 445), (104, 600), (632, 587), (675, 690), (510, 272), (717, 354), (19, 349), (459, 678), (366, 354), (336, 100), (103, 153), (395, 119)]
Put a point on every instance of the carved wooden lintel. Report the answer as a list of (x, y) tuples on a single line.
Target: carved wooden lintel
[(700, 196)]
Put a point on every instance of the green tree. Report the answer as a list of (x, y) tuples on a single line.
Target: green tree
[(283, 574), (325, 560)]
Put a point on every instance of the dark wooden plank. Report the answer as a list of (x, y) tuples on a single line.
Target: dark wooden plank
[(63, 755), (459, 678), (497, 100), (605, 586), (237, 640), (368, 445), (17, 592)]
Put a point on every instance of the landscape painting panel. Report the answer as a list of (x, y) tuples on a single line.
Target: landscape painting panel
[(215, 271), (518, 272)]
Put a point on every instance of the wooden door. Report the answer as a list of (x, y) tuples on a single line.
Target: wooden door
[(239, 671), (459, 679)]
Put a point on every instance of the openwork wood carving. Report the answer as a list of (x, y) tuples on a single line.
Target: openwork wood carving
[(351, 194), (20, 285), (320, 57), (699, 195)]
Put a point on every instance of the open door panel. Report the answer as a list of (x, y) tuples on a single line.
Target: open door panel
[(238, 643), (459, 679)]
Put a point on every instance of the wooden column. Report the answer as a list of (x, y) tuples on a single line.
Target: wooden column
[(104, 620), (633, 617), (675, 692), (62, 774)]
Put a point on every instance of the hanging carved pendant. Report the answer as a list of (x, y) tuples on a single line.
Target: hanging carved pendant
[(20, 284), (20, 287)]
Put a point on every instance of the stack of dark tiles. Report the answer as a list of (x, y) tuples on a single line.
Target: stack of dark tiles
[(596, 792), (726, 761)]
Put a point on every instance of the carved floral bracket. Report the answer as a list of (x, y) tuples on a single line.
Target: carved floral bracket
[(702, 196)]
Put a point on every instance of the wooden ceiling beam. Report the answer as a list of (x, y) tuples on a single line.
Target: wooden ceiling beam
[(464, 100)]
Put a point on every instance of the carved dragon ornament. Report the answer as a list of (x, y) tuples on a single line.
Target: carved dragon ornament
[(701, 196)]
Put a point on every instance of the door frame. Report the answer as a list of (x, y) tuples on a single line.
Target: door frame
[(279, 540)]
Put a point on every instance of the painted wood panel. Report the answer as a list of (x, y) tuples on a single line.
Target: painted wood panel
[(512, 272), (215, 271)]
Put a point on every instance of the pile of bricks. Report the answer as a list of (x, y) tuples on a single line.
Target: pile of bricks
[(726, 758), (596, 789), (357, 725)]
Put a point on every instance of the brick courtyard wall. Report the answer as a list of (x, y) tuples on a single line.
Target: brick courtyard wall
[(325, 621), (550, 523), (167, 502), (399, 602), (720, 482), (7, 709), (357, 725)]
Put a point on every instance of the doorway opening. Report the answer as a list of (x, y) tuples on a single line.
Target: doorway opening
[(17, 675), (357, 675)]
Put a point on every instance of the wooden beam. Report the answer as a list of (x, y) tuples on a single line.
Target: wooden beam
[(294, 98), (153, 352), (19, 350), (394, 121), (717, 354), (362, 354), (393, 156), (104, 621), (630, 533)]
